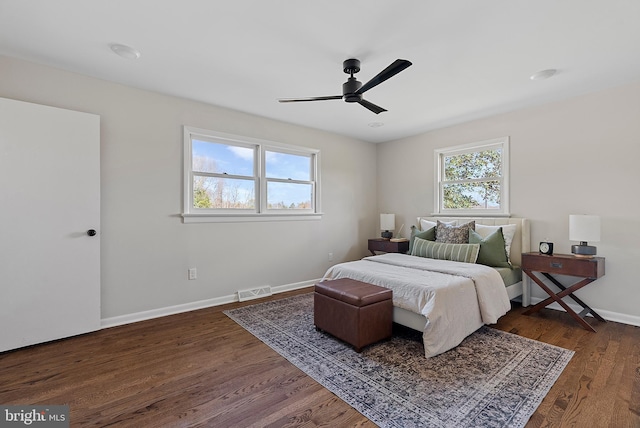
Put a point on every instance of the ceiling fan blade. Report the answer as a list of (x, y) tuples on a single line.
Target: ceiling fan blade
[(371, 106), (396, 67), (296, 100)]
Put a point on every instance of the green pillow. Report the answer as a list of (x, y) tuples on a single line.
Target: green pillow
[(467, 253), (429, 235), (492, 249)]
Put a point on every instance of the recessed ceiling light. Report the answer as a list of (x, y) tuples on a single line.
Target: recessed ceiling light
[(125, 51), (544, 74), (376, 124)]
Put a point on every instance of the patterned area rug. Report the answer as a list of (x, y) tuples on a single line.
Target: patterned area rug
[(492, 379)]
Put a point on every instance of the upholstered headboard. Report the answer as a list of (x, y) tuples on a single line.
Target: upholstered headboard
[(521, 239)]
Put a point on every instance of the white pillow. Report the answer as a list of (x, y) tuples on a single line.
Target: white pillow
[(426, 224), (508, 231)]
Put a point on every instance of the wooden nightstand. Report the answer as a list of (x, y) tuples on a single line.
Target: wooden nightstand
[(589, 269), (386, 246)]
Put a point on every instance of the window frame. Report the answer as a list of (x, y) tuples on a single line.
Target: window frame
[(266, 179), (439, 156), (192, 214)]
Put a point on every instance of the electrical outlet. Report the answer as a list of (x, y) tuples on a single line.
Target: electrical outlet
[(330, 257), (193, 273)]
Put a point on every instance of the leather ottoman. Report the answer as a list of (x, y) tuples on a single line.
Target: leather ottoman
[(353, 311)]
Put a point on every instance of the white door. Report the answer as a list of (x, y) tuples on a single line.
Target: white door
[(49, 200)]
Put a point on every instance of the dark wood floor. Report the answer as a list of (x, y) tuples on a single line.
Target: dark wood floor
[(202, 369)]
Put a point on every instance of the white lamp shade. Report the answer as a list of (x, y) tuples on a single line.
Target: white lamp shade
[(584, 228), (387, 221)]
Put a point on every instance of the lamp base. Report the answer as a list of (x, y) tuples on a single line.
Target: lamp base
[(386, 234), (583, 250)]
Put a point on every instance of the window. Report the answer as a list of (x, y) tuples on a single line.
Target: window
[(473, 179), (231, 178), (289, 180)]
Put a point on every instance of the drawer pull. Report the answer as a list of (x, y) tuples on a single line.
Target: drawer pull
[(556, 265)]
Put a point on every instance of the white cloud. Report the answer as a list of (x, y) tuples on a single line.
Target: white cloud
[(242, 152)]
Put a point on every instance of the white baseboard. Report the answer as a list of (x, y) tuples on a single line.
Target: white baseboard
[(608, 315), (201, 304), (192, 306)]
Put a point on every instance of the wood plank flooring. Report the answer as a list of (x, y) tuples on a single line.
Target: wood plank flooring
[(202, 369)]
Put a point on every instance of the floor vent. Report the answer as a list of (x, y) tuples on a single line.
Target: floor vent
[(254, 293)]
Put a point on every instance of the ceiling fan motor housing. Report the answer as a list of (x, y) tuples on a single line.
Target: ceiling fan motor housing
[(349, 88)]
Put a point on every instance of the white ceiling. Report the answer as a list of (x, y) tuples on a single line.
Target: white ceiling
[(470, 58)]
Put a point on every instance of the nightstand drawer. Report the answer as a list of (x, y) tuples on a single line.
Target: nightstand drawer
[(564, 265), (387, 246)]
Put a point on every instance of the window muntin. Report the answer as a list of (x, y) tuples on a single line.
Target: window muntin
[(473, 179), (228, 176)]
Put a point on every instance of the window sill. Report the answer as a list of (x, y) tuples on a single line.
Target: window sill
[(240, 218)]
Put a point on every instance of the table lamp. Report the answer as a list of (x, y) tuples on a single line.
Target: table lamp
[(387, 223), (584, 228)]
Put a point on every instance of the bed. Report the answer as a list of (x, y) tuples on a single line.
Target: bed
[(447, 300)]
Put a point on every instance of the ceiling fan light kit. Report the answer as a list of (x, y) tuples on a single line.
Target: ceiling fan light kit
[(353, 89)]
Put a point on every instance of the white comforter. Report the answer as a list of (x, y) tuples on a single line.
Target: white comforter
[(456, 298)]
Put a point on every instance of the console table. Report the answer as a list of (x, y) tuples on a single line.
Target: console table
[(589, 269)]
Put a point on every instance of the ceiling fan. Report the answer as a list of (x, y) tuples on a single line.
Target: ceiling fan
[(352, 89)]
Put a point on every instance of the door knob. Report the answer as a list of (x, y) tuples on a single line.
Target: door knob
[(91, 232)]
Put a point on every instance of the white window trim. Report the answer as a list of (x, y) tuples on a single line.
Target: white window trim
[(439, 154), (264, 183), (194, 215)]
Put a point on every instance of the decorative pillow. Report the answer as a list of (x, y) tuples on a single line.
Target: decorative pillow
[(454, 234), (508, 231), (492, 249), (467, 253), (429, 235)]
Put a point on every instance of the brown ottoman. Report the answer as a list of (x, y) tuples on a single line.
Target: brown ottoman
[(353, 311)]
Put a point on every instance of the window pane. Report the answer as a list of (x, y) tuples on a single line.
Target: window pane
[(483, 195), (288, 196), (287, 166), (226, 193), (484, 164), (222, 158)]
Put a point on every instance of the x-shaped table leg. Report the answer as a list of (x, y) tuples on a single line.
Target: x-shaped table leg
[(557, 297)]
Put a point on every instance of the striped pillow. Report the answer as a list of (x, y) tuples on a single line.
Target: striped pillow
[(467, 253)]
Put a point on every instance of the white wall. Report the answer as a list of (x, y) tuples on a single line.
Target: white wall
[(578, 156), (146, 249)]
